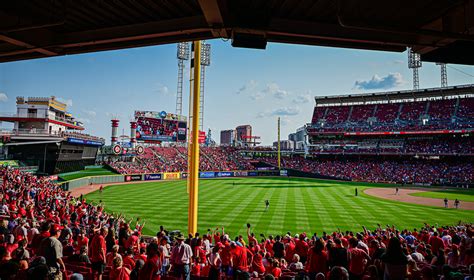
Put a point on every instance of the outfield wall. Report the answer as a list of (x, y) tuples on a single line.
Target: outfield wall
[(106, 179), (264, 171)]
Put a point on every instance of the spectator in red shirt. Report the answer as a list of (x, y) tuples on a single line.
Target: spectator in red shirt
[(118, 272), (301, 247), (317, 259), (357, 259), (152, 268), (128, 260), (239, 261), (276, 270), (98, 253), (436, 242)]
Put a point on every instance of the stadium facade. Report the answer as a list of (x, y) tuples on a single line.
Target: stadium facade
[(45, 135)]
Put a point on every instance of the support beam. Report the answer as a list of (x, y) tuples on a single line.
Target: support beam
[(20, 43), (213, 15)]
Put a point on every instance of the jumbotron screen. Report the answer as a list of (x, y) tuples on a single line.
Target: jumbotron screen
[(160, 126)]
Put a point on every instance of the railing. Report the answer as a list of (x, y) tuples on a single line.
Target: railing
[(35, 116), (32, 131), (45, 132), (67, 121), (82, 136)]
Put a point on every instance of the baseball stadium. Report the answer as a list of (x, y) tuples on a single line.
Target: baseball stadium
[(373, 183)]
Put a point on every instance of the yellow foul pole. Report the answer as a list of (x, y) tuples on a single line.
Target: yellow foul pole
[(190, 121), (194, 168), (279, 162)]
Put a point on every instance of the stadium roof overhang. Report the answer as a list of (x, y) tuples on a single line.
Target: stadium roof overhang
[(396, 96), (441, 31)]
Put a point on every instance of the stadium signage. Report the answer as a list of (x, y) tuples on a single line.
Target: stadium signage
[(117, 149), (266, 168), (240, 173), (157, 138), (159, 115), (206, 174), (252, 173), (129, 178), (421, 132), (224, 174), (140, 150), (184, 175), (171, 175), (151, 177), (283, 172), (84, 142)]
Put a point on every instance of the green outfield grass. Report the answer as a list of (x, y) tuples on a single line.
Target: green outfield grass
[(297, 205), (451, 194), (87, 172)]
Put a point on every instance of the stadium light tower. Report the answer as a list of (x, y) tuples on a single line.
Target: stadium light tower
[(444, 74), (414, 62), (182, 55), (205, 61)]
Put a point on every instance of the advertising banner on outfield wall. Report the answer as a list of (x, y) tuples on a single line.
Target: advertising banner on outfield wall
[(266, 168), (252, 173), (184, 175), (208, 174), (151, 177), (129, 178), (225, 174), (240, 174), (171, 175), (283, 172)]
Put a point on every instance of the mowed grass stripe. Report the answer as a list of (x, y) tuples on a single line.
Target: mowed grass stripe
[(296, 205)]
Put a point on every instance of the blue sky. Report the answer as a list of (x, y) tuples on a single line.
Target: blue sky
[(243, 86)]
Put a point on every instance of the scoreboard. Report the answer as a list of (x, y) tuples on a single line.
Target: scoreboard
[(160, 127)]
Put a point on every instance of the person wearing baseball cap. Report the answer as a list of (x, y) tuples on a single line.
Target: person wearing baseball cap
[(52, 250)]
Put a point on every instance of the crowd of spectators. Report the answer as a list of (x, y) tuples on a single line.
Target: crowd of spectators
[(408, 171), (406, 116), (175, 159), (45, 233), (378, 171), (400, 146)]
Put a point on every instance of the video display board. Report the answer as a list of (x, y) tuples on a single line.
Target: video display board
[(160, 126)]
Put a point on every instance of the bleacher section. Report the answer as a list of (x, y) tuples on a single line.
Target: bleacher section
[(447, 109)]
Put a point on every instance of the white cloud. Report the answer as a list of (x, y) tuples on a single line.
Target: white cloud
[(3, 97), (275, 90), (257, 95), (163, 89), (286, 111), (68, 102), (249, 86), (398, 61), (90, 113), (283, 111), (390, 81), (302, 98)]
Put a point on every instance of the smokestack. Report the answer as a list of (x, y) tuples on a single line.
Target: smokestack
[(133, 134), (115, 125)]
